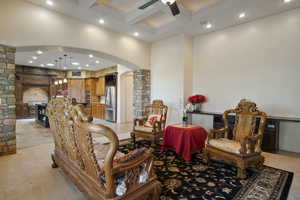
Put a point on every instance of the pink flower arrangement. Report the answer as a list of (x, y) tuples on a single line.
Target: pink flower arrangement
[(198, 98)]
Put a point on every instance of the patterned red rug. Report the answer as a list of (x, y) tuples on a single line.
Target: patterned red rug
[(195, 180)]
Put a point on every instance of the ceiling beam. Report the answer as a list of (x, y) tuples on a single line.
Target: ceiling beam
[(138, 15)]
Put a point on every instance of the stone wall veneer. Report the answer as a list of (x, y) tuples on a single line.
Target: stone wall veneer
[(7, 101), (142, 91)]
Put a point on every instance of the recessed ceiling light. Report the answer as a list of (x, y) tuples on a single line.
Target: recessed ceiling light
[(208, 25), (50, 64), (75, 63), (91, 56), (79, 67), (30, 61), (49, 2), (39, 52), (34, 58), (42, 65), (97, 61), (87, 65), (136, 34), (242, 15), (101, 21), (65, 68), (287, 1)]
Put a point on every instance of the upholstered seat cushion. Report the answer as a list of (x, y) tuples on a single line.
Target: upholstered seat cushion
[(226, 145), (143, 129)]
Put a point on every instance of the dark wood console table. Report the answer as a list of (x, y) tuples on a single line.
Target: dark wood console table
[(271, 135)]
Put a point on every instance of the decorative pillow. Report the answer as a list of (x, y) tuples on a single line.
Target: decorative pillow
[(152, 119)]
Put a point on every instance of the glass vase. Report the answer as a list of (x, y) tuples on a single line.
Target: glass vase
[(197, 107)]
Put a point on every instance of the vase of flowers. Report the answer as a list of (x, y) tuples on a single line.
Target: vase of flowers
[(196, 101)]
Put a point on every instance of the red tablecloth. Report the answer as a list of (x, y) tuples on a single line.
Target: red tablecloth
[(185, 139)]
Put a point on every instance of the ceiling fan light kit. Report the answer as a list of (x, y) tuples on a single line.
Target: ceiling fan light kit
[(171, 3), (168, 2)]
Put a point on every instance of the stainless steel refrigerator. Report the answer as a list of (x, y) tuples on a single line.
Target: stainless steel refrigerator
[(111, 104)]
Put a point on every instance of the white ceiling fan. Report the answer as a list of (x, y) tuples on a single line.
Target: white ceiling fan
[(171, 3)]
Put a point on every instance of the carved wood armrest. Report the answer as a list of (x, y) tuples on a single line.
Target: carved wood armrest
[(213, 133), (250, 144), (139, 160), (139, 121)]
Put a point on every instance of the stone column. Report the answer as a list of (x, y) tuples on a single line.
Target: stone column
[(7, 101), (142, 91)]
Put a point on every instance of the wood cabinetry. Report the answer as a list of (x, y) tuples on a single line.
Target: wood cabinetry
[(22, 110), (98, 111), (95, 88), (88, 111), (100, 87)]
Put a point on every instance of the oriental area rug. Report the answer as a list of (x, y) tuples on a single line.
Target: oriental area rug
[(217, 181)]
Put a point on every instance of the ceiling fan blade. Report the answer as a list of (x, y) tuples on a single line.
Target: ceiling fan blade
[(174, 8), (146, 5)]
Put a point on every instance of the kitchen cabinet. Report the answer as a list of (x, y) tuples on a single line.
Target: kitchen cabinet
[(88, 111), (90, 85), (100, 87), (98, 111)]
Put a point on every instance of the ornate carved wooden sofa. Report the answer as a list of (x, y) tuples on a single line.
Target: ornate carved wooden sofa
[(98, 170), (152, 124), (244, 148)]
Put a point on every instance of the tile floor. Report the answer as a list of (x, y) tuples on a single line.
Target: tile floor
[(28, 175)]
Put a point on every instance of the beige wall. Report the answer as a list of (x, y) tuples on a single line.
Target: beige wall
[(171, 73), (258, 61), (25, 24)]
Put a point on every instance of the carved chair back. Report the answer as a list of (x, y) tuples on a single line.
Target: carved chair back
[(72, 133), (246, 116), (157, 108)]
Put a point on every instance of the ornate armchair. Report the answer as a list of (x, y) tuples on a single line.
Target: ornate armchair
[(98, 170), (244, 149), (152, 124)]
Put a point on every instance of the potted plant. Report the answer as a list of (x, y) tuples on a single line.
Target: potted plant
[(196, 101)]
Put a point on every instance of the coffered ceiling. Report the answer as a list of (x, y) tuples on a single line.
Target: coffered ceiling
[(157, 22)]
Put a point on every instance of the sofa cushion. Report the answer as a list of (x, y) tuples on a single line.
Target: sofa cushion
[(143, 129), (226, 145)]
